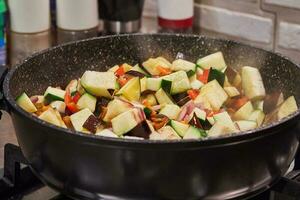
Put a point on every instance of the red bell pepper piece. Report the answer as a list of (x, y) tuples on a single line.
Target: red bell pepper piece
[(204, 77), (120, 71), (72, 107), (68, 97), (76, 97)]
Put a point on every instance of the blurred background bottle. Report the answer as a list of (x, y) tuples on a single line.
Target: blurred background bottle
[(175, 15), (76, 19), (3, 54), (121, 16), (29, 28)]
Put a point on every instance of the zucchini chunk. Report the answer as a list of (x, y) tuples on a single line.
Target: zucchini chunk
[(152, 63), (219, 129), (131, 90), (60, 106), (153, 84), (215, 74), (87, 101), (194, 133), (289, 106), (170, 110), (78, 119), (106, 133), (224, 118), (125, 122), (163, 98), (214, 94), (98, 83), (252, 83), (165, 133), (180, 82), (52, 117), (232, 91), (137, 68), (244, 112), (116, 107), (258, 116), (215, 60), (54, 94), (25, 103), (179, 127), (245, 125), (183, 65), (195, 83)]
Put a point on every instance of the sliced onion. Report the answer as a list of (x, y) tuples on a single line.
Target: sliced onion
[(182, 113), (200, 106), (34, 99), (124, 100), (156, 107)]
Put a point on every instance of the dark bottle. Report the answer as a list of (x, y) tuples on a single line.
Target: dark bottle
[(121, 16)]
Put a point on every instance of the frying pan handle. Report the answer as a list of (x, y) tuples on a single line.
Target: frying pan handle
[(3, 105)]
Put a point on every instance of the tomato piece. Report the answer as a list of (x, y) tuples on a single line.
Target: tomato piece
[(204, 77), (193, 93), (163, 71), (76, 97), (120, 71)]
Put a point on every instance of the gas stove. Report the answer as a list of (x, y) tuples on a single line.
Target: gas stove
[(17, 182)]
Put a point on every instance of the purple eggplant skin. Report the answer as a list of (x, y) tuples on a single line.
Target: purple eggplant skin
[(195, 122), (91, 123), (230, 73), (146, 92), (135, 73), (181, 98), (141, 130)]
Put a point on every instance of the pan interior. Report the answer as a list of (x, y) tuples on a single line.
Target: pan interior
[(64, 63)]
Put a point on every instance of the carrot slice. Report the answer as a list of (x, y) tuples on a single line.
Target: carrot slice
[(193, 94), (163, 71)]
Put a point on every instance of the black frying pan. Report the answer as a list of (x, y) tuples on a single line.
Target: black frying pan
[(93, 167)]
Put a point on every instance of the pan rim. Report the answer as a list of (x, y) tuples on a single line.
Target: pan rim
[(238, 137)]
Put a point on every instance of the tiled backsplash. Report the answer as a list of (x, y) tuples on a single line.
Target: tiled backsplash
[(270, 24)]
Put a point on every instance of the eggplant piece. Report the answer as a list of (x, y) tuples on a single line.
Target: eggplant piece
[(102, 101), (159, 120), (141, 130), (205, 124), (272, 101), (215, 74), (181, 98), (135, 74), (230, 73), (101, 105), (147, 112), (91, 124), (195, 121), (146, 92), (111, 91)]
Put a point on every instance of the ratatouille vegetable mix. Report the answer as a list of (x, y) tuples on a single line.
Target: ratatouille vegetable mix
[(160, 100)]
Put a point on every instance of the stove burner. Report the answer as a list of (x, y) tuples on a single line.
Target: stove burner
[(18, 181)]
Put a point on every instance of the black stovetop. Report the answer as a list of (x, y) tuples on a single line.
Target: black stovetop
[(17, 182)]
